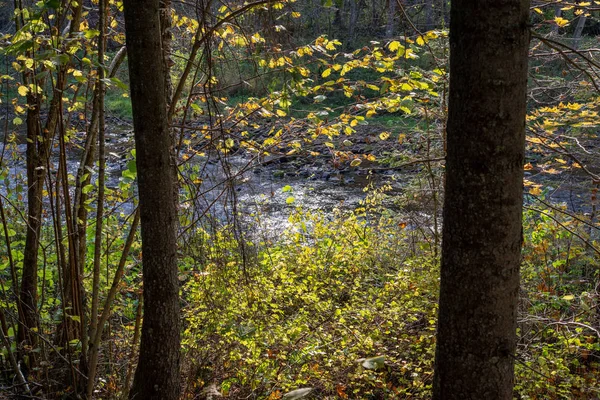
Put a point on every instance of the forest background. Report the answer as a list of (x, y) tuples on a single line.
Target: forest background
[(294, 281)]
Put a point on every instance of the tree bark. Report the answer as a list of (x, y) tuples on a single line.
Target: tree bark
[(37, 150), (390, 27), (482, 233), (579, 30), (157, 374)]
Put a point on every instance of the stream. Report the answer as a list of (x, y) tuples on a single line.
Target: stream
[(275, 187), (261, 189)]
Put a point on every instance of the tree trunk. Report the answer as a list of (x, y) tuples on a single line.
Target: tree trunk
[(483, 202), (157, 374), (391, 21), (352, 21), (579, 30), (430, 12), (36, 172), (557, 14)]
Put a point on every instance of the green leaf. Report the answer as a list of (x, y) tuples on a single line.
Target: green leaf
[(128, 174), (74, 318), (119, 83), (132, 167), (55, 4), (196, 108), (91, 33), (286, 188), (87, 188)]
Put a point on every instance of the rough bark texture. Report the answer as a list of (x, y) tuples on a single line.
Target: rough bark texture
[(483, 205), (157, 375), (36, 173)]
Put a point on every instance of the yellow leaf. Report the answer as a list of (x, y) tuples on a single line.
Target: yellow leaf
[(561, 21), (330, 45), (432, 35), (384, 135), (568, 297), (23, 90), (356, 162), (528, 167), (420, 41), (395, 45), (326, 73), (537, 10), (281, 113), (536, 191)]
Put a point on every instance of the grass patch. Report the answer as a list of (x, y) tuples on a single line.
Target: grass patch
[(118, 105)]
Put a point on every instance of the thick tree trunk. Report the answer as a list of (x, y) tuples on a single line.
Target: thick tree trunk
[(157, 375), (483, 200)]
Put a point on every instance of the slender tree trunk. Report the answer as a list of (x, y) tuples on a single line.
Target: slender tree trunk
[(391, 19), (36, 172), (429, 15), (157, 374), (557, 14), (445, 13), (483, 200), (579, 30), (38, 153), (352, 21)]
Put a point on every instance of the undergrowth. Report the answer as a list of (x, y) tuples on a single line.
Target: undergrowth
[(346, 305)]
